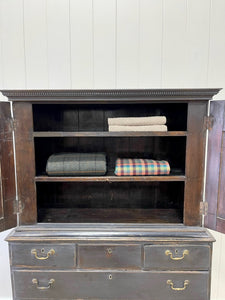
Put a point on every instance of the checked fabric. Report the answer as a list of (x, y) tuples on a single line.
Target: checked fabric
[(141, 167)]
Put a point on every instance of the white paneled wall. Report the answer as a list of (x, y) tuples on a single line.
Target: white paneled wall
[(113, 44)]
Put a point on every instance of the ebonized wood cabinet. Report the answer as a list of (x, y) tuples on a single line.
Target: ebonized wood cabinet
[(109, 237)]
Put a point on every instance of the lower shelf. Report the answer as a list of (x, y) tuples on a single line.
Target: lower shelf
[(121, 215)]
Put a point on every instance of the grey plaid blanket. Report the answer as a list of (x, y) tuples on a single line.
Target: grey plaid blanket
[(76, 164)]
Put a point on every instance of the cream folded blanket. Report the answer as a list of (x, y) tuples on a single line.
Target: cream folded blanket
[(138, 128), (139, 121)]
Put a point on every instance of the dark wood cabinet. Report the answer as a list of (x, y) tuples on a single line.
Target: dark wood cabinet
[(110, 237)]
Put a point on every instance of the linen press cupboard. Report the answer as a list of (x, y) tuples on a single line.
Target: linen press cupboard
[(111, 237)]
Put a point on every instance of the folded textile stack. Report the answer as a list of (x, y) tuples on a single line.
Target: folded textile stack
[(141, 167), (156, 123), (76, 164)]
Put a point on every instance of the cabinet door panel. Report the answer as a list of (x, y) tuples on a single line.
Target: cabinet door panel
[(215, 176), (7, 172)]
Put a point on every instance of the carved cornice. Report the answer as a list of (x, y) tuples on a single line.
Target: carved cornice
[(111, 94)]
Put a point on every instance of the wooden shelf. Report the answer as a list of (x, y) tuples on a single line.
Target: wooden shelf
[(107, 133), (112, 215), (109, 178)]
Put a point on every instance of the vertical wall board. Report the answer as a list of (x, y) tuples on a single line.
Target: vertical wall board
[(2, 98), (174, 58), (215, 264), (127, 44), (104, 18), (13, 56), (150, 55), (35, 36), (58, 34), (81, 22), (216, 68), (198, 24), (221, 290)]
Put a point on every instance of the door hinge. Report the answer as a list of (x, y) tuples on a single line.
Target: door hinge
[(203, 208), (208, 122), (13, 124), (18, 206)]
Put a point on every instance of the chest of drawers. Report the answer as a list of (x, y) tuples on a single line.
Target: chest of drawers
[(111, 237), (143, 262)]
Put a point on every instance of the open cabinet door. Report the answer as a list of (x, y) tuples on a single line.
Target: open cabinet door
[(8, 217), (215, 174)]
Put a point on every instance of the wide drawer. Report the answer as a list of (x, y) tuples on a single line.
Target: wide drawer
[(109, 256), (115, 285), (172, 257), (43, 255)]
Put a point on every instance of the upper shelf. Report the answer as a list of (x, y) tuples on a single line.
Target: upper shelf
[(110, 95), (107, 133)]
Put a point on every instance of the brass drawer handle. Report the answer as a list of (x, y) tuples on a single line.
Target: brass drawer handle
[(35, 282), (50, 252), (186, 283), (168, 252)]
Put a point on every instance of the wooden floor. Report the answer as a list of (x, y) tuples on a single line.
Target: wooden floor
[(122, 215)]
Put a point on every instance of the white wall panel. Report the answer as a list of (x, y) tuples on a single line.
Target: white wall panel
[(221, 275), (174, 58), (216, 264), (1, 63), (13, 60), (104, 41), (127, 43), (35, 35), (113, 43), (198, 22), (81, 21), (150, 54), (216, 70), (58, 34)]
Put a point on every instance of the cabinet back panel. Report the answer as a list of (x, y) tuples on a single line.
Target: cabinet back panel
[(159, 148), (93, 117), (110, 195)]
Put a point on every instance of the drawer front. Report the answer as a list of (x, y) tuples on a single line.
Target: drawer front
[(43, 255), (115, 285), (109, 256), (177, 257)]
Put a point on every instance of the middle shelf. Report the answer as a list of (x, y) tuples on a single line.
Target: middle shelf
[(44, 178)]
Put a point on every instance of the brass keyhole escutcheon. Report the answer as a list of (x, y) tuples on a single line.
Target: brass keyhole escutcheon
[(110, 277), (108, 252)]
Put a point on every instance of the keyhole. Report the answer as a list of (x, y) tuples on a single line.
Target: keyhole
[(42, 250), (110, 276), (176, 251), (109, 250)]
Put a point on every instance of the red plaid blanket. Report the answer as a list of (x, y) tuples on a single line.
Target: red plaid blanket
[(140, 166)]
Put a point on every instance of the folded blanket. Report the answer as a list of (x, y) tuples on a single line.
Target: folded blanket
[(140, 166), (139, 121), (76, 164), (138, 128)]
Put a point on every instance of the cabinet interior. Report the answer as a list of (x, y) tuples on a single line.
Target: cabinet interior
[(109, 198)]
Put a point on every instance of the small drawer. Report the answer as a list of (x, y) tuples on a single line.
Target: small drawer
[(109, 256), (172, 257), (43, 255), (114, 285)]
